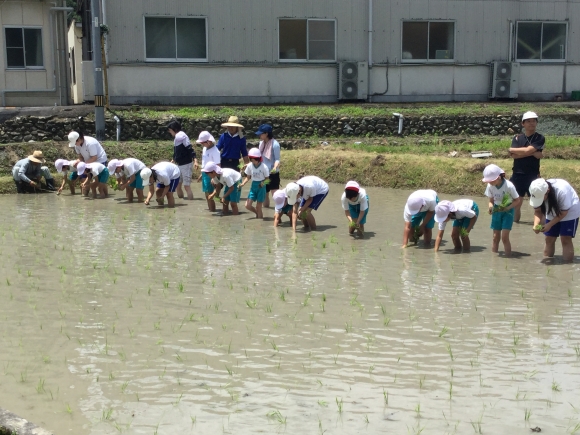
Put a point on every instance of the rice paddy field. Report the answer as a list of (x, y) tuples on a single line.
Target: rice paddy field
[(118, 318)]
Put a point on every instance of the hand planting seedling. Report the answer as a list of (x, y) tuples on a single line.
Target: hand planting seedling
[(539, 227), (352, 224), (303, 215), (217, 199), (113, 183), (416, 235), (463, 233)]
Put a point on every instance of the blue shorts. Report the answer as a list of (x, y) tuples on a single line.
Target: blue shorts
[(257, 193), (206, 186), (172, 185), (138, 182), (502, 220), (285, 210), (354, 211), (103, 176), (464, 222), (418, 218), (566, 229), (316, 201), (234, 196)]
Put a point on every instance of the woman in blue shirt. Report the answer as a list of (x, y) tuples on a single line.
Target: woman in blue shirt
[(232, 145), (270, 149)]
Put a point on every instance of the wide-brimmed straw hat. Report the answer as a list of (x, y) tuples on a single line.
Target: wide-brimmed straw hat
[(36, 157), (233, 121)]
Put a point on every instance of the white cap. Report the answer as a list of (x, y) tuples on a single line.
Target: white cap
[(81, 168), (443, 209), (529, 115), (205, 136), (255, 153), (352, 185), (113, 165), (145, 174), (212, 167), (279, 199), (414, 203), (72, 138), (292, 190), (492, 173), (538, 189), (60, 163)]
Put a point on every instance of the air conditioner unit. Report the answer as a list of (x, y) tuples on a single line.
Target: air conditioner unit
[(504, 80), (352, 80)]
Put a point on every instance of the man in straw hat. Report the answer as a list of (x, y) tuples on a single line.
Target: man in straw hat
[(28, 172), (232, 145)]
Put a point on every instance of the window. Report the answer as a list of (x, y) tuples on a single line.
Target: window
[(175, 39), (539, 41), (428, 40), (307, 40), (23, 47)]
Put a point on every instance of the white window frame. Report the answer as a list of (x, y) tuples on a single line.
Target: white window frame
[(453, 60), (541, 41), (307, 60), (175, 59), (35, 68)]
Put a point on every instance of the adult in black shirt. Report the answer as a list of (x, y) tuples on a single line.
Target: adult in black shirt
[(526, 150)]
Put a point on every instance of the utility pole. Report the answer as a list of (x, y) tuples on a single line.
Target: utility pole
[(98, 65)]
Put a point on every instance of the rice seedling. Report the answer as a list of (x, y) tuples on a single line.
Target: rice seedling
[(276, 415), (556, 387), (448, 346), (339, 405), (106, 414), (40, 386), (443, 331), (463, 232), (538, 227)]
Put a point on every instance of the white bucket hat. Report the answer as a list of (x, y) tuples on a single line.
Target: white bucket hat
[(113, 165), (72, 139), (292, 190), (538, 189), (212, 167), (529, 115), (443, 209), (414, 204), (60, 163), (279, 199), (81, 168), (145, 174), (205, 136), (492, 173)]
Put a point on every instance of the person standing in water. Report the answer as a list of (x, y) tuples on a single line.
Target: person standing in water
[(556, 212), (419, 216), (526, 150), (232, 145), (355, 203), (464, 213), (184, 157), (270, 149)]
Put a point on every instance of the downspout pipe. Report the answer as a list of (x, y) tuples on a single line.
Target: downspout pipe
[(52, 10), (118, 121), (370, 54), (401, 118)]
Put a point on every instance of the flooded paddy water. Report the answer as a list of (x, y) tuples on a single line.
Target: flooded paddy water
[(118, 318)]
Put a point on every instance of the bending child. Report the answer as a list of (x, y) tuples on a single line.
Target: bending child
[(167, 176), (311, 190), (229, 178), (419, 217), (355, 203), (464, 213)]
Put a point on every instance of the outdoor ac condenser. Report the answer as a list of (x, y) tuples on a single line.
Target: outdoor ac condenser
[(352, 80), (504, 79)]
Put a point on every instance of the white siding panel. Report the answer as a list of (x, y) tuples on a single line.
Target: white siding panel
[(427, 80), (533, 79), (572, 78), (470, 80)]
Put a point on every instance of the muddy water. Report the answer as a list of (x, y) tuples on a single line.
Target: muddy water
[(117, 318)]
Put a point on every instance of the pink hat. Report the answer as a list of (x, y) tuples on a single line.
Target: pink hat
[(81, 168), (352, 185), (255, 153), (60, 163), (414, 204), (113, 165), (492, 173), (443, 209), (279, 199), (212, 167), (205, 136)]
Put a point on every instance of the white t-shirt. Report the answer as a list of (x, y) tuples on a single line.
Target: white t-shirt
[(360, 199), (210, 155), (312, 186), (90, 148), (497, 193), (166, 172), (229, 177), (96, 168), (567, 199), (464, 210), (132, 166), (258, 174), (429, 197)]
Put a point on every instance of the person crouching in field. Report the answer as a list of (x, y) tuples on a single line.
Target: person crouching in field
[(130, 171), (28, 172), (258, 172), (503, 201), (97, 178), (69, 174), (464, 213), (281, 207), (167, 176), (419, 216), (556, 212), (230, 179), (311, 190), (210, 154), (355, 203)]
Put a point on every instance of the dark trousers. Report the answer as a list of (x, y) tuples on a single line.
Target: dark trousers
[(230, 163)]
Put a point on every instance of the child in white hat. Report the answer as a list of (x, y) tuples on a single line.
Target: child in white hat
[(419, 216), (69, 174), (311, 190), (503, 200), (464, 213), (130, 170), (556, 214), (355, 203), (229, 178), (210, 154), (281, 207), (98, 176), (167, 176), (258, 172)]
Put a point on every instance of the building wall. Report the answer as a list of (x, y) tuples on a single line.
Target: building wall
[(74, 36), (243, 64), (32, 87)]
